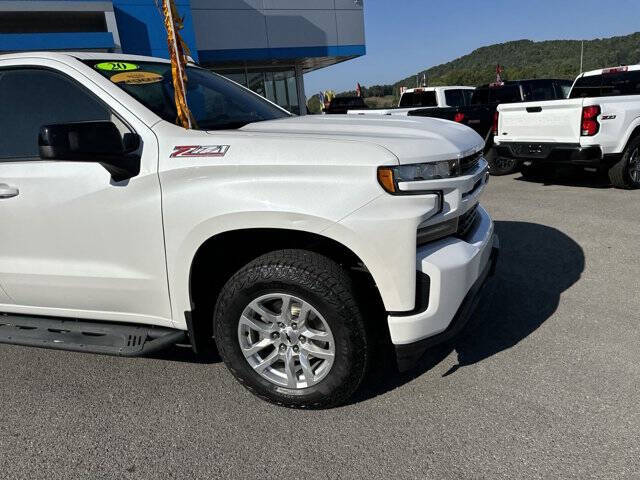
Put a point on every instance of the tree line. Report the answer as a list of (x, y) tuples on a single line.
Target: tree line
[(521, 59)]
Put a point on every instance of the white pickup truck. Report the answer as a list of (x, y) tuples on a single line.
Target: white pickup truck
[(290, 241), (597, 127), (424, 97)]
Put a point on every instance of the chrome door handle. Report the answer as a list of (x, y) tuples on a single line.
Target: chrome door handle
[(7, 192)]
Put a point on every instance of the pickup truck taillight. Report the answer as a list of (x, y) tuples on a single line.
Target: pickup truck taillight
[(494, 127), (459, 117), (590, 125)]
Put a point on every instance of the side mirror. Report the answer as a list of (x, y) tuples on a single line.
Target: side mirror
[(99, 142)]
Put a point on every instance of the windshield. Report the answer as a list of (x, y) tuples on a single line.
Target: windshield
[(538, 90), (607, 85), (418, 99), (215, 102)]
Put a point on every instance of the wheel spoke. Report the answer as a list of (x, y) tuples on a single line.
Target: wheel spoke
[(317, 352), (267, 362), (266, 315), (256, 347), (290, 369), (257, 325), (301, 320), (306, 368), (285, 313), (312, 334)]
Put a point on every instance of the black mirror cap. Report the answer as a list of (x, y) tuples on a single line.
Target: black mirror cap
[(84, 141), (97, 142)]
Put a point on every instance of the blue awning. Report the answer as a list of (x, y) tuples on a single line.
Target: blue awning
[(282, 53), (20, 42)]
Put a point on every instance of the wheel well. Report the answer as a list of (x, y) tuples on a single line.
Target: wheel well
[(221, 256), (634, 134)]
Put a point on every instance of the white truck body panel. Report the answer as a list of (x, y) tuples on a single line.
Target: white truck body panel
[(123, 251), (448, 263), (300, 162), (555, 121), (401, 112), (441, 99), (559, 121)]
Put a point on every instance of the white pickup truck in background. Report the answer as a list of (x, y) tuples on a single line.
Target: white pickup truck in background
[(598, 126), (291, 241), (424, 97)]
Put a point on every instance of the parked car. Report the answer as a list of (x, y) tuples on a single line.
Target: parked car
[(597, 127), (289, 240), (341, 105), (425, 97), (480, 115)]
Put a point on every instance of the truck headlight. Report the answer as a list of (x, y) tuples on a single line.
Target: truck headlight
[(389, 177)]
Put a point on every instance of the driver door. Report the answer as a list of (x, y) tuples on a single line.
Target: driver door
[(73, 242)]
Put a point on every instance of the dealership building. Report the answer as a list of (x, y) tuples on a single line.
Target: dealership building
[(266, 45)]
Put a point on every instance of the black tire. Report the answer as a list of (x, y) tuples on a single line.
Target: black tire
[(322, 283), (620, 174), (499, 166)]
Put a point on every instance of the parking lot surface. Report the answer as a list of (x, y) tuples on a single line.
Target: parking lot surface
[(544, 383)]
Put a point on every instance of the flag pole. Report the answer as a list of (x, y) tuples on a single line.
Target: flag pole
[(178, 52)]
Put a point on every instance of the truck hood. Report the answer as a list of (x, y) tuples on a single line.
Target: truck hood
[(410, 139)]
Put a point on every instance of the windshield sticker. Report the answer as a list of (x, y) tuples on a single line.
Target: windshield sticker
[(200, 151), (136, 78), (116, 66)]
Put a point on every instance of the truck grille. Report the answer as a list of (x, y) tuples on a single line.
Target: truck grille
[(466, 221), (470, 162)]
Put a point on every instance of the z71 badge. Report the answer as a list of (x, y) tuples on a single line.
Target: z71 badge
[(200, 151)]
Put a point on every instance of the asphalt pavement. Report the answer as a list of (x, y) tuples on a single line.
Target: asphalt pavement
[(544, 383)]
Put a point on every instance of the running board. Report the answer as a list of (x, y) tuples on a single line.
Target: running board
[(82, 336)]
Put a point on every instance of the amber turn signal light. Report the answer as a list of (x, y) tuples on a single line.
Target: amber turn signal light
[(385, 179)]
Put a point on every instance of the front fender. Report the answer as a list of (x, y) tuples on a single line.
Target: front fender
[(180, 258)]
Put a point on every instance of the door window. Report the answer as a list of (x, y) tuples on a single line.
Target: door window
[(31, 98), (457, 98)]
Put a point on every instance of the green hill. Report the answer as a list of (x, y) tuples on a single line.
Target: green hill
[(528, 59)]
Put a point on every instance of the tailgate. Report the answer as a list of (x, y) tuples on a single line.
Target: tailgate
[(555, 121)]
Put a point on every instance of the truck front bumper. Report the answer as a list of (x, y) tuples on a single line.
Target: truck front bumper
[(457, 269), (552, 153)]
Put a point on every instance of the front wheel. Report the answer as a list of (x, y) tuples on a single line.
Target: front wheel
[(288, 327), (626, 172)]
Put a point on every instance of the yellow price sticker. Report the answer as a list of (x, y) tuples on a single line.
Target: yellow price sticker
[(116, 66), (136, 78)]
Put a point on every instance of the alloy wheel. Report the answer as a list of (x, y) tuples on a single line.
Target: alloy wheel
[(286, 340)]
